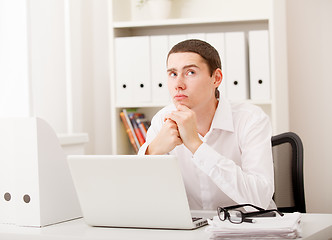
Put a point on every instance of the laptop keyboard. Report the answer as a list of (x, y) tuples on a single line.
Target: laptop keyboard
[(196, 218)]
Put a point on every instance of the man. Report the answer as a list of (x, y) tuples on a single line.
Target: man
[(224, 149)]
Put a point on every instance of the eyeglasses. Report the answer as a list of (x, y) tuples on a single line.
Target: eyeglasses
[(237, 216)]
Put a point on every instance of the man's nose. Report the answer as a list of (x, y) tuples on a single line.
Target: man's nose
[(180, 82)]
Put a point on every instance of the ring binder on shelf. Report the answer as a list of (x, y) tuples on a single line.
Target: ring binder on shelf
[(259, 62), (132, 70), (159, 51), (236, 67), (217, 40)]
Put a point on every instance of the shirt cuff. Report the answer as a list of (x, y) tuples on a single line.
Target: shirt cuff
[(206, 158), (142, 149)]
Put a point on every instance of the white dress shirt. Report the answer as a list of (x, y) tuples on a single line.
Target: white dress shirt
[(234, 163)]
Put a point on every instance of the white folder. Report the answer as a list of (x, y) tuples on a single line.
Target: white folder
[(200, 36), (40, 186), (259, 63), (159, 51), (175, 39), (236, 67), (6, 174), (217, 40), (132, 70)]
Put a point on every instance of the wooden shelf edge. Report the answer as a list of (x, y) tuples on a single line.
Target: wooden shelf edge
[(183, 21)]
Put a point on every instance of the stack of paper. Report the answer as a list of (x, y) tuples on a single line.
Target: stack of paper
[(287, 226)]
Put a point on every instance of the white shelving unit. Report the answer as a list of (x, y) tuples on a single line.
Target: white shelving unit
[(208, 17)]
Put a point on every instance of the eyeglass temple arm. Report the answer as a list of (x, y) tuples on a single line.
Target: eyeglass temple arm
[(251, 214)]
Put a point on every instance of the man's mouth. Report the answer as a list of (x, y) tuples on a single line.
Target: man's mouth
[(179, 97)]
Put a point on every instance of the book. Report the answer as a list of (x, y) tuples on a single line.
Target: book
[(137, 126), (137, 130), (142, 127), (142, 123), (130, 131)]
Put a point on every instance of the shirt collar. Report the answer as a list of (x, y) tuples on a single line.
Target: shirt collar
[(223, 117)]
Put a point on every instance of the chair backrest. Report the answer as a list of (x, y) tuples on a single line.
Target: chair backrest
[(287, 151)]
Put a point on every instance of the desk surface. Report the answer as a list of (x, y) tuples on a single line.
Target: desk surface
[(315, 226)]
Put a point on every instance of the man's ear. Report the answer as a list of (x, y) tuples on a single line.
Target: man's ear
[(217, 77)]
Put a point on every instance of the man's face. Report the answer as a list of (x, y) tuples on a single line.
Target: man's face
[(189, 80)]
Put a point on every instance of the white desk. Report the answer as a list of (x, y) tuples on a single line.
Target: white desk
[(315, 226)]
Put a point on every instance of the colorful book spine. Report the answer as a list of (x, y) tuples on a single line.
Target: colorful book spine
[(129, 130), (137, 130), (141, 127)]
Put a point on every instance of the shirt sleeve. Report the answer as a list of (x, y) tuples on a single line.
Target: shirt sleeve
[(252, 181)]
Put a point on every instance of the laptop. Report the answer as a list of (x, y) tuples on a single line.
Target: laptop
[(132, 191)]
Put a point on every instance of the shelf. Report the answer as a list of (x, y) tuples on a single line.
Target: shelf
[(73, 138), (184, 21), (156, 105), (141, 105), (259, 102)]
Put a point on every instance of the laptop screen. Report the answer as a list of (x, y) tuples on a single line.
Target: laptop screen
[(131, 191)]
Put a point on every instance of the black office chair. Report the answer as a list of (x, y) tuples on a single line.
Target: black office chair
[(287, 151)]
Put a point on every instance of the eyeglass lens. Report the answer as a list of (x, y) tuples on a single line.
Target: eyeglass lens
[(235, 216), (222, 214)]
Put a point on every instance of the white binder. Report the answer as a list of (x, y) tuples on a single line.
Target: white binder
[(132, 70), (217, 40), (159, 51), (199, 36), (38, 189), (6, 174), (175, 39), (236, 67), (259, 62)]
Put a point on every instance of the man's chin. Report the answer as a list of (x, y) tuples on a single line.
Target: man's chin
[(176, 103)]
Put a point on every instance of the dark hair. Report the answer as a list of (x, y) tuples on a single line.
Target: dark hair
[(204, 49)]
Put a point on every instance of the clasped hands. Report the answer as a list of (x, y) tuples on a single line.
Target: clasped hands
[(180, 127)]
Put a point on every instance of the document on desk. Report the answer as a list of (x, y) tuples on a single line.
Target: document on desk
[(287, 226)]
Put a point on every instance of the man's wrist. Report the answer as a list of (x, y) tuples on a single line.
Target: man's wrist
[(152, 150), (195, 145), (148, 151)]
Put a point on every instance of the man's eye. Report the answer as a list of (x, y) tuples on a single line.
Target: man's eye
[(172, 74), (190, 73)]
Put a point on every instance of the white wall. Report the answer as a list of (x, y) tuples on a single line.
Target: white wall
[(310, 94), (95, 75), (54, 65), (47, 61), (14, 80), (32, 65)]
